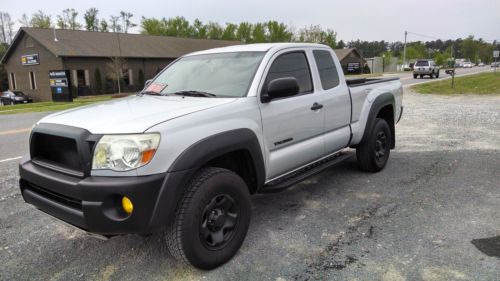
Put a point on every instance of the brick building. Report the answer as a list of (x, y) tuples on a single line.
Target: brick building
[(91, 57)]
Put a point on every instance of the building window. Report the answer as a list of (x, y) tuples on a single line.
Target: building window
[(13, 83), (32, 80), (130, 77)]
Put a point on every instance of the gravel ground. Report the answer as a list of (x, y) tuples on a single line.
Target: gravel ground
[(413, 221)]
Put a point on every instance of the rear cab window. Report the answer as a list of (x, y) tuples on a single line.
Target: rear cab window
[(422, 63), (293, 64), (327, 70)]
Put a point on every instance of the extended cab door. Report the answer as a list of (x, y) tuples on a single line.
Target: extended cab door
[(292, 126), (336, 101)]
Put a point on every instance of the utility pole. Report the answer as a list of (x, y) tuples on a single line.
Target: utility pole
[(404, 51)]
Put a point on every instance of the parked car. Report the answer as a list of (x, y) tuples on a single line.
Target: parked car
[(468, 64), (12, 97), (425, 67), (480, 64), (209, 130), (495, 64)]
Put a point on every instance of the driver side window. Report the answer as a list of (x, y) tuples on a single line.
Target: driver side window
[(294, 65)]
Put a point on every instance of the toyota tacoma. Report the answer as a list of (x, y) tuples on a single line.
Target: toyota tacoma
[(185, 154)]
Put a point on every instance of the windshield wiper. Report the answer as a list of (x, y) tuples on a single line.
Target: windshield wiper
[(194, 94), (151, 93)]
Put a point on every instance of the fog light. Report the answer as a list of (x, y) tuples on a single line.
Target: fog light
[(127, 205)]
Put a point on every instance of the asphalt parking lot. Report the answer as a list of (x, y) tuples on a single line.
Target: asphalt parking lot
[(415, 220)]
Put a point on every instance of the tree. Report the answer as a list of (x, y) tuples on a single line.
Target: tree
[(214, 30), (41, 20), (104, 26), (116, 72), (229, 32), (4, 82), (341, 44), (91, 20), (315, 34), (199, 29), (25, 21), (244, 32), (278, 32), (98, 81), (67, 20), (152, 26), (469, 47), (177, 27), (115, 24), (259, 33), (126, 22), (6, 28)]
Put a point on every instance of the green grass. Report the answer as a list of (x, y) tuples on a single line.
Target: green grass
[(482, 84), (53, 106)]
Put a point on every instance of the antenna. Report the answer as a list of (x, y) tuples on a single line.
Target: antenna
[(55, 37)]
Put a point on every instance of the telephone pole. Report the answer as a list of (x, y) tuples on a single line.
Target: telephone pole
[(404, 51)]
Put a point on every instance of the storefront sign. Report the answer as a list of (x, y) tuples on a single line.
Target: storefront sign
[(30, 59), (354, 67)]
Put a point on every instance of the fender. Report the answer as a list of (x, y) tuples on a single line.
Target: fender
[(380, 102), (190, 160)]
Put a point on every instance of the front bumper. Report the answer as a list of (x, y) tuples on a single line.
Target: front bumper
[(92, 203)]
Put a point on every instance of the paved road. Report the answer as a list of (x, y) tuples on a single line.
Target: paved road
[(415, 220), (407, 77)]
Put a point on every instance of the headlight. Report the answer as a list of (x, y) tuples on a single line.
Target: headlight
[(124, 152)]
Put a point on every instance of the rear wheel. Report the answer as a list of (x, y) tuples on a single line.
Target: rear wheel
[(415, 76), (372, 154), (212, 220), (432, 74)]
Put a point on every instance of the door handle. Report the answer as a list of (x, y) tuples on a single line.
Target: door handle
[(316, 106)]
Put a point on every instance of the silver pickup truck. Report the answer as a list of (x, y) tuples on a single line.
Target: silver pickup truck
[(208, 131)]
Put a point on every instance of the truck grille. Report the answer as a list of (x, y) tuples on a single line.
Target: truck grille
[(63, 148), (55, 150)]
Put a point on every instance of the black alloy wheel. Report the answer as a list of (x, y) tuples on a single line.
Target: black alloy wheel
[(220, 218)]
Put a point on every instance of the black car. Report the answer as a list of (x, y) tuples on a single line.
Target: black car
[(13, 97)]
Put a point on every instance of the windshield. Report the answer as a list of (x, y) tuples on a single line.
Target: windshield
[(19, 94), (222, 74), (422, 63)]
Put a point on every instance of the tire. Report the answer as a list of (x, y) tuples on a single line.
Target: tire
[(421, 76), (202, 233), (437, 75), (372, 154), (432, 74), (415, 76)]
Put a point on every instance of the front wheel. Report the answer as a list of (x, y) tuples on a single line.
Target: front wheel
[(372, 154), (415, 76), (212, 220), (437, 75)]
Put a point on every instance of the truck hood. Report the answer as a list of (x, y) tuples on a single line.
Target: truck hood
[(134, 114)]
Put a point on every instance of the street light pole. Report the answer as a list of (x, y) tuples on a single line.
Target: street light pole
[(404, 51), (383, 63)]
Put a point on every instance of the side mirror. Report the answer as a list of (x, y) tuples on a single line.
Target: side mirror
[(280, 88)]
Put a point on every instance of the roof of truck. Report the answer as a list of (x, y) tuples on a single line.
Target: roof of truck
[(259, 47)]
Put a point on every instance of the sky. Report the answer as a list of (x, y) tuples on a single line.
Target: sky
[(362, 19)]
